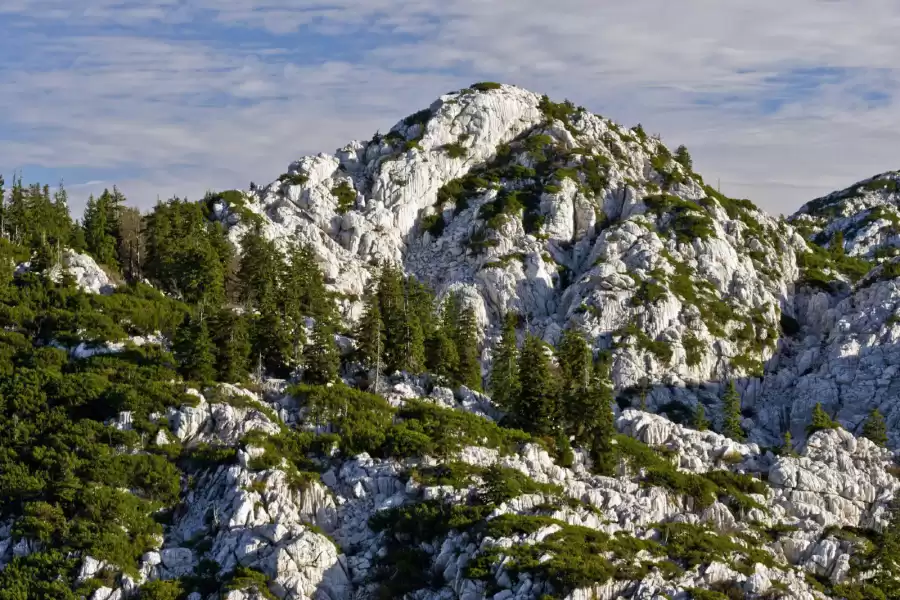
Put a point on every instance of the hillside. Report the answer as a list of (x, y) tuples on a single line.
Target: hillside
[(507, 350)]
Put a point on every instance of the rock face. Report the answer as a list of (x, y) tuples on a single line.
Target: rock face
[(866, 215), (563, 216), (558, 214), (88, 275), (525, 205), (313, 539)]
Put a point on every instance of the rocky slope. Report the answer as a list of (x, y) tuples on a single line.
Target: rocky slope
[(542, 208), (558, 214), (779, 530)]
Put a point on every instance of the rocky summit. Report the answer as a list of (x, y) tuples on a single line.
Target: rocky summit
[(684, 397)]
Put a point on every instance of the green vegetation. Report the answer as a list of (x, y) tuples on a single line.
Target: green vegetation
[(875, 429), (486, 86), (455, 150), (345, 196), (293, 178), (820, 420)]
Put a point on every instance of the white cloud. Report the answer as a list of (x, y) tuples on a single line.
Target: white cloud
[(188, 112)]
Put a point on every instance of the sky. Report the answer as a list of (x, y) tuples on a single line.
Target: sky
[(779, 101)]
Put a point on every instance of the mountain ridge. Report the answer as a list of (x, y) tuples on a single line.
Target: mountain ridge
[(211, 439)]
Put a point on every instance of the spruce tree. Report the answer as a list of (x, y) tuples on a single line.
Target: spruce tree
[(820, 420), (194, 349), (683, 157), (469, 367), (599, 418), (101, 224), (504, 368), (273, 343), (443, 358), (259, 271), (232, 339), (887, 554), (731, 414), (370, 333), (413, 340), (321, 359), (701, 423), (393, 313), (536, 409), (575, 366), (303, 286), (787, 445), (875, 429)]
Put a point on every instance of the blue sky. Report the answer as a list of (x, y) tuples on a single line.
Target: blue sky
[(780, 101)]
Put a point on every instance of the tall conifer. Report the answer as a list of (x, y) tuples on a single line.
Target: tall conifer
[(504, 366)]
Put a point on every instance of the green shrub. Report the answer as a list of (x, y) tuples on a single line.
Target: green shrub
[(293, 178), (485, 86), (345, 196), (455, 150)]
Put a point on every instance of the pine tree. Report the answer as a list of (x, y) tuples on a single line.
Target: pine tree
[(536, 409), (321, 359), (875, 429), (194, 349), (469, 367), (701, 423), (504, 368), (820, 420), (731, 414)]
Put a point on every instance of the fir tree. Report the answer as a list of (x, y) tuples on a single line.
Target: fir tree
[(194, 349), (701, 423), (320, 356), (875, 429), (504, 368), (598, 415), (536, 409), (820, 420), (731, 414)]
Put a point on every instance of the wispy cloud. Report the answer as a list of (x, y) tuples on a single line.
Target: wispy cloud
[(781, 101)]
